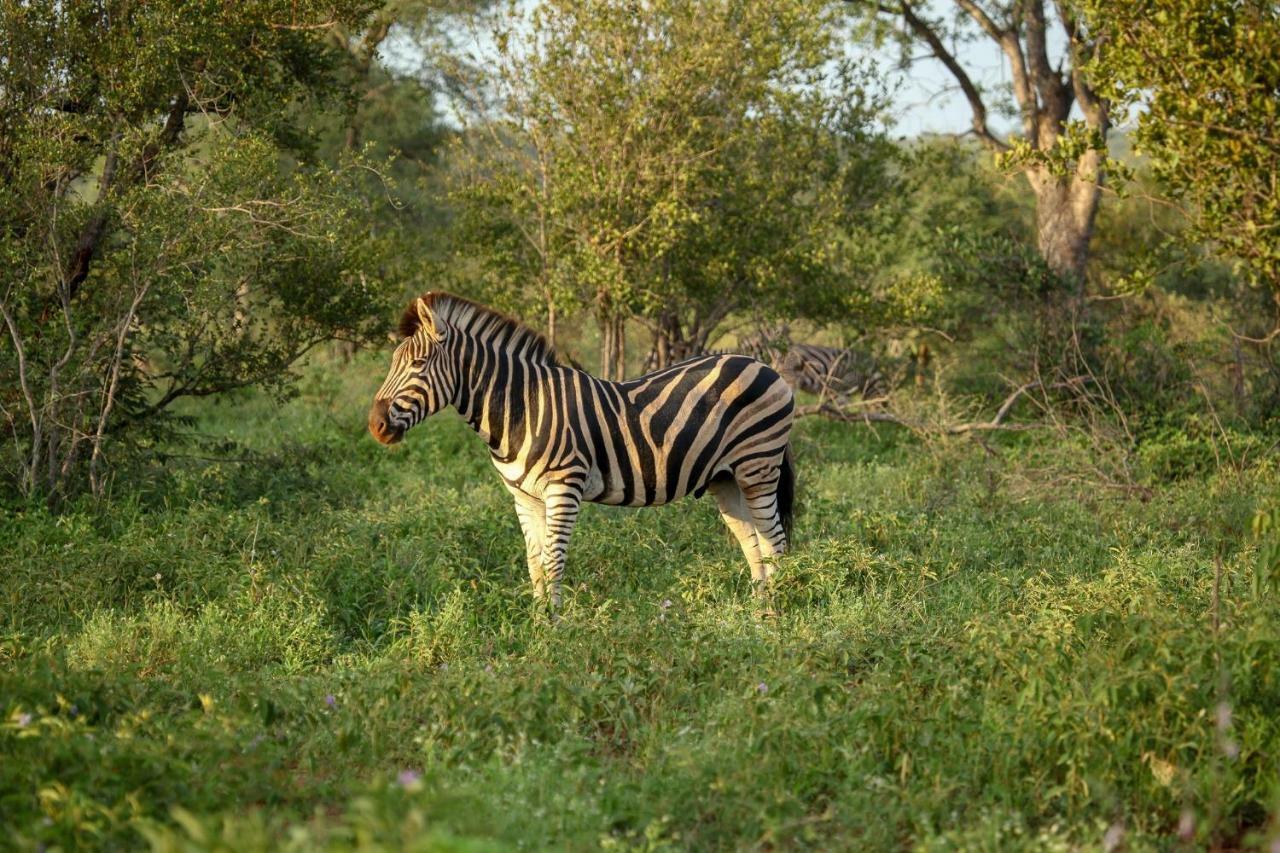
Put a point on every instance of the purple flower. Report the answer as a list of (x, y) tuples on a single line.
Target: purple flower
[(331, 701), (762, 688), (666, 603), (24, 720), (409, 778)]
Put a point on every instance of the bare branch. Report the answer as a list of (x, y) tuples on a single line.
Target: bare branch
[(830, 410), (922, 29), (1094, 107), (1007, 39)]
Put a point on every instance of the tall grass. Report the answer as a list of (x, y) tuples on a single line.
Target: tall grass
[(331, 643)]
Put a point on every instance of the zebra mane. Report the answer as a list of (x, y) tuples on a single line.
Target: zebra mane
[(467, 315)]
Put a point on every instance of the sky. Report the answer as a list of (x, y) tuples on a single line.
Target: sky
[(927, 101)]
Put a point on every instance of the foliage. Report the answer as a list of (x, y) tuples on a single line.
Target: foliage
[(1047, 51), (331, 645), (1206, 78), (962, 252), (672, 162), (157, 240)]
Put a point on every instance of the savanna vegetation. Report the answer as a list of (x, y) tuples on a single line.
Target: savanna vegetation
[(1034, 595)]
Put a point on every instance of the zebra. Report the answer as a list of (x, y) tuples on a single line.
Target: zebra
[(826, 371), (822, 370), (829, 371), (559, 436)]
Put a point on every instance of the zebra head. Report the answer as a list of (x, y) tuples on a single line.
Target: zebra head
[(420, 382)]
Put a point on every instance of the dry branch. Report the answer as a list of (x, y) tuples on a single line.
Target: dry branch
[(830, 410)]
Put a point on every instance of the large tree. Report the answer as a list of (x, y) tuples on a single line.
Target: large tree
[(667, 161), (164, 229), (1062, 118)]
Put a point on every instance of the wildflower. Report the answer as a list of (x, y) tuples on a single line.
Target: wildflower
[(157, 577), (1187, 825), (330, 701), (24, 720), (1114, 837), (762, 688), (409, 779), (666, 603)]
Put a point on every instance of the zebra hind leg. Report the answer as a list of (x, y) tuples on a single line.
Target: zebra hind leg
[(760, 491), (561, 516), (737, 517), (740, 520)]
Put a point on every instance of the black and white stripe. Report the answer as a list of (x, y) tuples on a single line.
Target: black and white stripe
[(831, 372), (559, 436)]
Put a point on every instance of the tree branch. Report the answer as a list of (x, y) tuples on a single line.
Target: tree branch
[(830, 410), (1095, 109), (1055, 93), (95, 228), (1007, 39), (922, 29)]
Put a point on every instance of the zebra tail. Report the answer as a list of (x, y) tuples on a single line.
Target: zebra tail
[(787, 492)]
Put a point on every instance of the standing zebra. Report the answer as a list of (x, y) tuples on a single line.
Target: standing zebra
[(832, 372), (826, 371), (559, 436)]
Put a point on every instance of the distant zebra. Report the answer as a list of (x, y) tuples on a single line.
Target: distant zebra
[(559, 436), (829, 371), (832, 372)]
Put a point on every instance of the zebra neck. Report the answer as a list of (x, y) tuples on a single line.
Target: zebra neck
[(494, 391)]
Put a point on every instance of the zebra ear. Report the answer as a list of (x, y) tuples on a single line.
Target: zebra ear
[(428, 320), (418, 316)]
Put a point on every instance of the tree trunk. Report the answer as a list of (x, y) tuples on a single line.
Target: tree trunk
[(619, 370), (613, 347), (1065, 211)]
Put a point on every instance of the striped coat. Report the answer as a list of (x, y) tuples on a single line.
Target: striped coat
[(832, 372), (829, 371), (559, 436)]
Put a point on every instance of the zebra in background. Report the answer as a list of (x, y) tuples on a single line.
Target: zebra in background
[(831, 372), (559, 436)]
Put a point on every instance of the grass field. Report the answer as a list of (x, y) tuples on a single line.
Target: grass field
[(329, 642)]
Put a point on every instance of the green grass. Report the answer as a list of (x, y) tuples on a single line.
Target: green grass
[(330, 643)]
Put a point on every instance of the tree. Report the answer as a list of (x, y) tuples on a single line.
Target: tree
[(163, 231), (1206, 74), (658, 160), (1062, 157)]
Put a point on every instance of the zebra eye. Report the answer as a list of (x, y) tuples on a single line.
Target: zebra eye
[(418, 363)]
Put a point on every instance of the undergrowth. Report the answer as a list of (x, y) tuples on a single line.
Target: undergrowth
[(322, 642)]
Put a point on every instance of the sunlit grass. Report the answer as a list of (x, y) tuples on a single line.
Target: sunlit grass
[(332, 643)]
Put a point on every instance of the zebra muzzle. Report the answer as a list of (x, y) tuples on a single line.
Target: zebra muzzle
[(380, 426)]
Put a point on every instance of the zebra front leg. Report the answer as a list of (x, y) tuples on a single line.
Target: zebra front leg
[(532, 513), (562, 513)]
